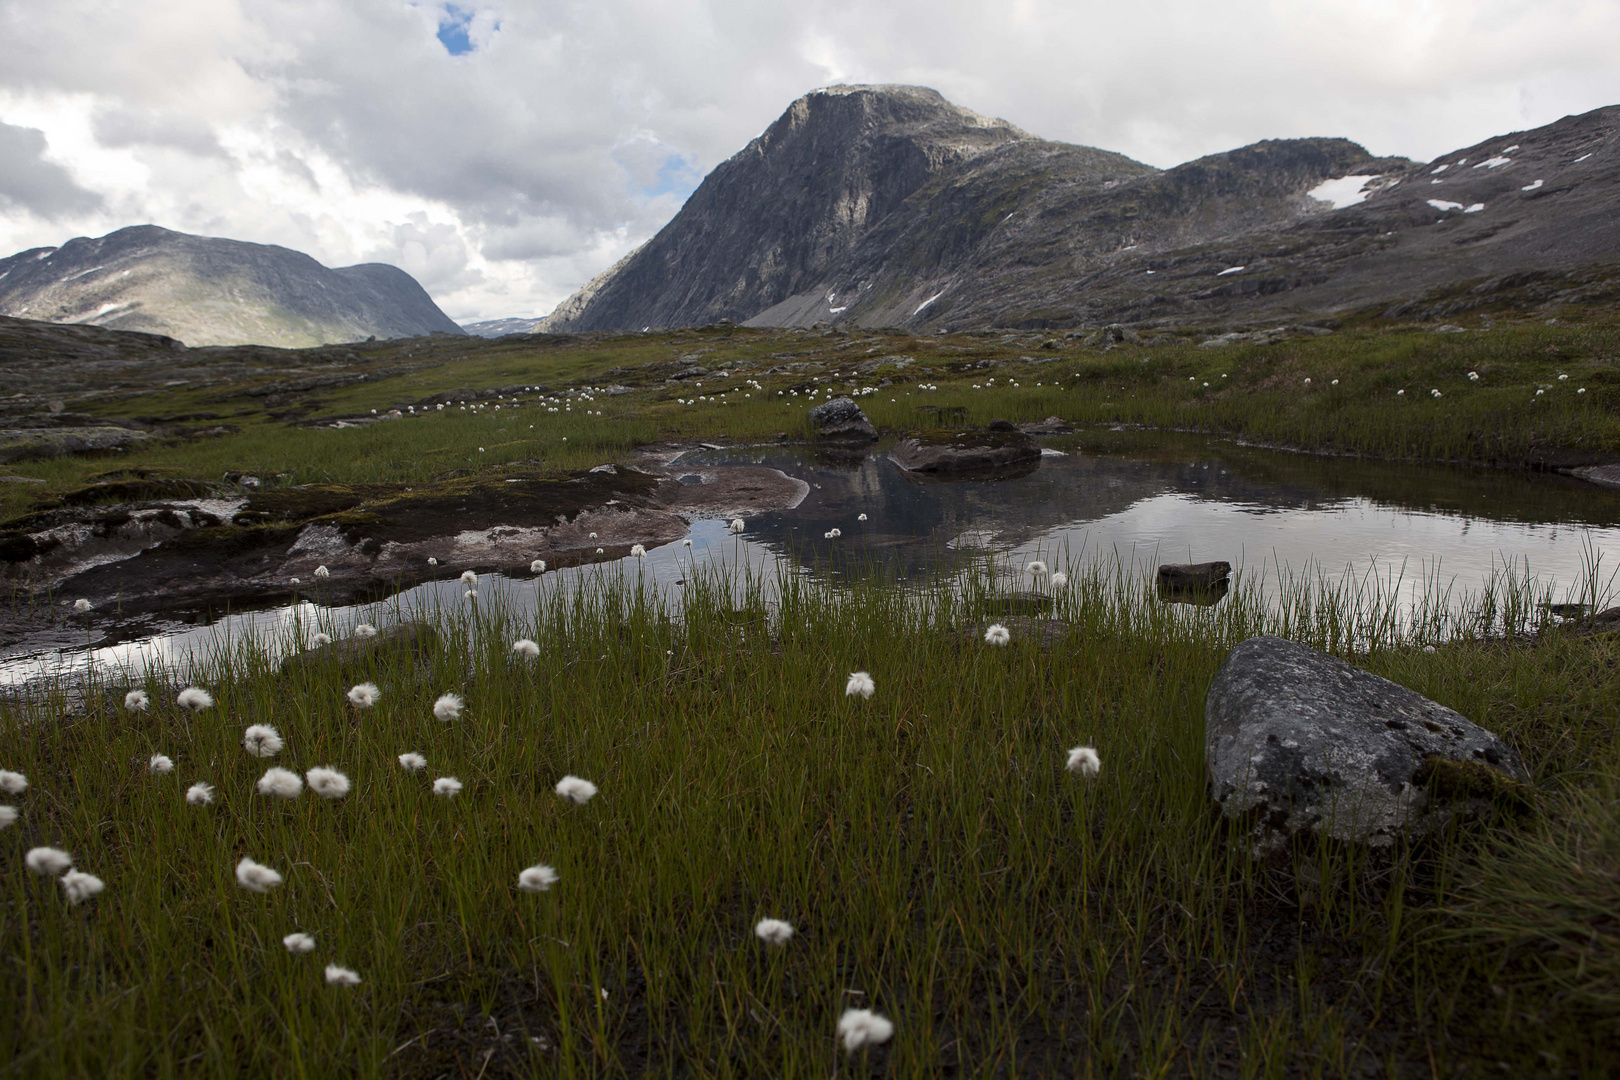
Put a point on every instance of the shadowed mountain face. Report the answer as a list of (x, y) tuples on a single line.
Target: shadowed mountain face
[(207, 291), (888, 206)]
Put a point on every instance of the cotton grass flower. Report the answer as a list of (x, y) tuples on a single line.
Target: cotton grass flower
[(448, 707), (160, 765), (576, 790), (997, 634), (327, 782), (446, 786), (1035, 568), (736, 525), (341, 976), (861, 518), (364, 695), (432, 561), (261, 740), (79, 886), (81, 605), (200, 794), (863, 1027), (860, 685), (194, 698), (365, 630), (8, 816), (298, 943), (469, 578), (137, 701), (1059, 580), (526, 649), (537, 878), (256, 877), (773, 931), (12, 783), (322, 572), (1083, 761), (538, 566), (320, 639), (411, 761), (48, 861), (282, 783)]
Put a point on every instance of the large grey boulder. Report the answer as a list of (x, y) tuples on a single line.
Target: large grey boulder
[(842, 420), (1297, 741)]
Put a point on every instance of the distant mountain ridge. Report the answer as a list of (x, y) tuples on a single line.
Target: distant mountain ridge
[(889, 206), (211, 291)]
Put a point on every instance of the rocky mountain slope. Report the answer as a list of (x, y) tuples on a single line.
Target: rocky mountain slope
[(888, 206), (208, 291)]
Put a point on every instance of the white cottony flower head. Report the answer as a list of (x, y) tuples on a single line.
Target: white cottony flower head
[(364, 695), (432, 561), (863, 1027), (321, 639), (299, 943), (637, 551), (341, 976), (200, 794), (8, 816), (1434, 393), (280, 782), (538, 566), (81, 605), (1059, 580), (470, 594), (79, 886), (687, 542), (860, 685), (327, 782), (12, 783), (1473, 376), (526, 649), (1084, 761), (469, 578), (773, 931), (261, 740), (448, 707), (446, 786), (137, 701), (537, 878), (997, 634), (323, 572), (194, 698), (411, 761), (160, 764), (576, 790), (861, 518), (736, 525), (47, 860), (256, 877), (1035, 568), (365, 630)]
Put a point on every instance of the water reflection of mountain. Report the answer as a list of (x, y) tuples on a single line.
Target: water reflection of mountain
[(911, 526)]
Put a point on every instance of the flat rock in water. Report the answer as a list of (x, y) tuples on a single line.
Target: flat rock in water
[(965, 453), (1297, 741), (1052, 425), (843, 420)]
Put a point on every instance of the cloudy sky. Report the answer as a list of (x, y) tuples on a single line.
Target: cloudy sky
[(505, 152)]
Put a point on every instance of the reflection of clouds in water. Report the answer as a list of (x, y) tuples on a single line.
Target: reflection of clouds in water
[(1072, 511)]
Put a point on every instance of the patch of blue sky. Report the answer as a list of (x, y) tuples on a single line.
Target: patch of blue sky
[(676, 176), (454, 34)]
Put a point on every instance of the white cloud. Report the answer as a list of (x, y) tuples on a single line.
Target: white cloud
[(571, 130)]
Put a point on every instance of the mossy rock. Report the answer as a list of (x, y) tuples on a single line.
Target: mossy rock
[(1461, 780)]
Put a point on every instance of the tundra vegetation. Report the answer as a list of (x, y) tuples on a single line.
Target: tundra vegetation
[(938, 863)]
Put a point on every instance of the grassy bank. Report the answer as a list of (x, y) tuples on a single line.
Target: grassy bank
[(1544, 396), (939, 864)]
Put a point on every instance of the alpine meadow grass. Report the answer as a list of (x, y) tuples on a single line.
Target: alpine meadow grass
[(784, 880)]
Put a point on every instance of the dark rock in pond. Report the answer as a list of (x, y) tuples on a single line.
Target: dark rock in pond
[(843, 420), (1194, 583), (1052, 425), (413, 636), (967, 454), (1001, 425), (1297, 741)]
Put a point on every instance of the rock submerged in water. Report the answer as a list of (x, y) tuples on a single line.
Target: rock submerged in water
[(968, 454), (842, 420), (1297, 741), (1194, 583)]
